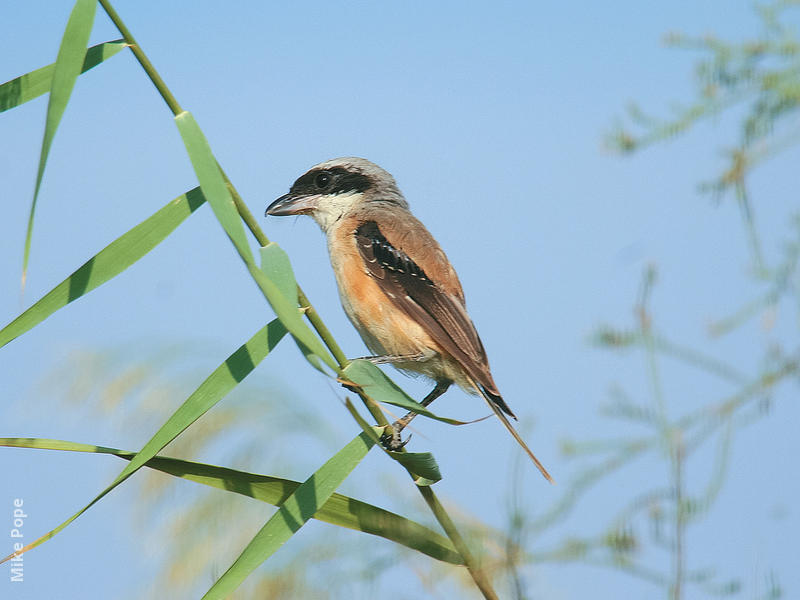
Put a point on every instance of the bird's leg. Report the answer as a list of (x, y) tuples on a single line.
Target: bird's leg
[(391, 359), (395, 442)]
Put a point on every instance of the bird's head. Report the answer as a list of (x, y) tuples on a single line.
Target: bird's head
[(330, 190)]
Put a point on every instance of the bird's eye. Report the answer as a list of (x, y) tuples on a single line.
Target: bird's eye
[(322, 180)]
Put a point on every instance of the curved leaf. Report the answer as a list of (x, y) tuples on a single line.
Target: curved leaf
[(298, 508), (32, 85), (275, 265), (213, 185), (379, 387), (289, 315), (339, 510), (108, 263), (420, 465), (70, 59), (227, 376)]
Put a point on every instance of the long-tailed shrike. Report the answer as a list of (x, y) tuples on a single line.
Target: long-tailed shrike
[(395, 282)]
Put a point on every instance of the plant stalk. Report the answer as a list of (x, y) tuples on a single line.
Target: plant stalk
[(316, 322), (477, 574), (162, 88), (241, 207)]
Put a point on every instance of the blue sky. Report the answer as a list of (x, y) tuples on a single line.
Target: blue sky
[(491, 118)]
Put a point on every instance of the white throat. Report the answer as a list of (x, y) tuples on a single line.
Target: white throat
[(331, 208)]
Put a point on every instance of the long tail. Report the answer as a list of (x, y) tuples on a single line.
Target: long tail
[(507, 424)]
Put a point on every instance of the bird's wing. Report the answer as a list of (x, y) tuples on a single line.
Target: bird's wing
[(426, 289)]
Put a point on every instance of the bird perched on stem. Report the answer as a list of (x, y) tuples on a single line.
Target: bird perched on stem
[(395, 282)]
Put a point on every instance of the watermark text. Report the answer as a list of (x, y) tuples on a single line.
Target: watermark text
[(17, 574)]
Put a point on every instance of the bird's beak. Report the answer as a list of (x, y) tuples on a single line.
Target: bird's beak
[(292, 205)]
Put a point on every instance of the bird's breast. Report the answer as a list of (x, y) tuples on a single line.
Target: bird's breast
[(385, 330)]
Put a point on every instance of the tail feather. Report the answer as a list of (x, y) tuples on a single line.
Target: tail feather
[(498, 400), (499, 406)]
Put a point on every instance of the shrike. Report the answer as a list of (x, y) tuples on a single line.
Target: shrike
[(395, 282)]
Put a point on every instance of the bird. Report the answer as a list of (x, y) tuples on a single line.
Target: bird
[(395, 282)]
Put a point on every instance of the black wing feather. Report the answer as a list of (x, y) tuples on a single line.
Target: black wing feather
[(442, 315)]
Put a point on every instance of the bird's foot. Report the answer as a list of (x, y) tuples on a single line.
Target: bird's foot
[(394, 441)]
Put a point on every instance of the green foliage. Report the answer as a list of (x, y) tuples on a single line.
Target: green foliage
[(759, 77), (227, 376), (293, 513), (377, 386), (273, 277), (108, 263), (69, 64), (337, 510), (32, 85)]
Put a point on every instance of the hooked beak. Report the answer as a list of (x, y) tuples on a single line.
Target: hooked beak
[(292, 205)]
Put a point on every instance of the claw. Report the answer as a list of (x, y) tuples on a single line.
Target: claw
[(394, 442), (399, 444)]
